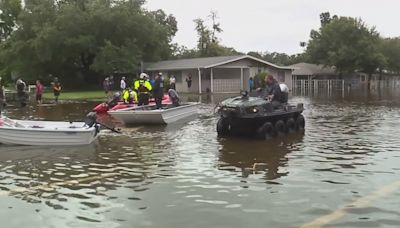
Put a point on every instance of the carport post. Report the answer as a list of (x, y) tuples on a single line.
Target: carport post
[(212, 80), (241, 78), (199, 80)]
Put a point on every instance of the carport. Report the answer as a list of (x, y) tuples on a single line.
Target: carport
[(223, 74)]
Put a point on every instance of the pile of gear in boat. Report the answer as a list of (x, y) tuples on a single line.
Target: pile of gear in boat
[(263, 114)]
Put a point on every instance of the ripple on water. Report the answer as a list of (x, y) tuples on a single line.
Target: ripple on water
[(348, 150)]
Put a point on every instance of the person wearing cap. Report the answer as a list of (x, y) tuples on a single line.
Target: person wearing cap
[(143, 89)]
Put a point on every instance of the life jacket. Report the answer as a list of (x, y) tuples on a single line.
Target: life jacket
[(126, 95), (142, 88)]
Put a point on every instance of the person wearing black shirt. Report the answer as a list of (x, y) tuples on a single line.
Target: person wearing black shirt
[(158, 91)]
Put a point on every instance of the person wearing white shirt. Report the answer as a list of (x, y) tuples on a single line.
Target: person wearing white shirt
[(172, 81), (123, 84)]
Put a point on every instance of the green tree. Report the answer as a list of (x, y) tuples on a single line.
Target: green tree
[(278, 58), (9, 11), (255, 54), (347, 43), (183, 52), (390, 48), (204, 35), (86, 39), (325, 18), (216, 28), (208, 43)]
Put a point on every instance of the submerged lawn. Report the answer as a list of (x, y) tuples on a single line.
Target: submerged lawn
[(77, 95)]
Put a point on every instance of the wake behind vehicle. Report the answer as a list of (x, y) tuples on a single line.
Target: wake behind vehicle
[(255, 116)]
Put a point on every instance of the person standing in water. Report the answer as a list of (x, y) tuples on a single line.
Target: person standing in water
[(2, 96), (56, 89), (38, 91), (189, 81), (22, 96)]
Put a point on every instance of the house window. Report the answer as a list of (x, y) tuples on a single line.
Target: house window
[(281, 76), (362, 78)]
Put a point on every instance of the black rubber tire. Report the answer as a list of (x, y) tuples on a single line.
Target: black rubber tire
[(280, 127), (223, 127), (291, 125), (266, 131), (300, 123)]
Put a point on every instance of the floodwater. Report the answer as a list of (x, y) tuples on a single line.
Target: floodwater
[(343, 171)]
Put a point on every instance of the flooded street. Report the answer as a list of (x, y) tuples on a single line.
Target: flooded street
[(343, 171)]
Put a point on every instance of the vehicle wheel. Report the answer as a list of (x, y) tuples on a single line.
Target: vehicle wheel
[(223, 127), (280, 127), (300, 122), (266, 131), (291, 125)]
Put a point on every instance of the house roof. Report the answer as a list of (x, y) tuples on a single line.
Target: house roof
[(312, 69), (207, 62)]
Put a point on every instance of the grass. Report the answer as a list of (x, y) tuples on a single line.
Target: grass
[(93, 95), (77, 95)]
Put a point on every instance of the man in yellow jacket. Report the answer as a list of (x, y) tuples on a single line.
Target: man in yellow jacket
[(143, 89)]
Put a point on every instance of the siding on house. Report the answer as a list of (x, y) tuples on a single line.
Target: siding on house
[(229, 73)]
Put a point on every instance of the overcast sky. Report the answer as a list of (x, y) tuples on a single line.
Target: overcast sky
[(274, 25)]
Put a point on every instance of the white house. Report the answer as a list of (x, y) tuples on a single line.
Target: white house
[(223, 74)]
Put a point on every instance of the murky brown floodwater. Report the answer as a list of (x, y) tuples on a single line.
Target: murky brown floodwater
[(183, 175)]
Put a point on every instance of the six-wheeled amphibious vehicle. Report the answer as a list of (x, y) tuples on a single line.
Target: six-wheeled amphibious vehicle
[(256, 116)]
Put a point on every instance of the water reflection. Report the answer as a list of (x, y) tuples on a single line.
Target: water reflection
[(183, 175), (77, 181), (67, 111), (17, 153), (255, 156)]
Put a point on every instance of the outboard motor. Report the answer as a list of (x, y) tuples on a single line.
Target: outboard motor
[(114, 101), (173, 96), (90, 119)]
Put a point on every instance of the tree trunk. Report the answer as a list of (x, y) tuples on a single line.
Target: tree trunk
[(86, 61)]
